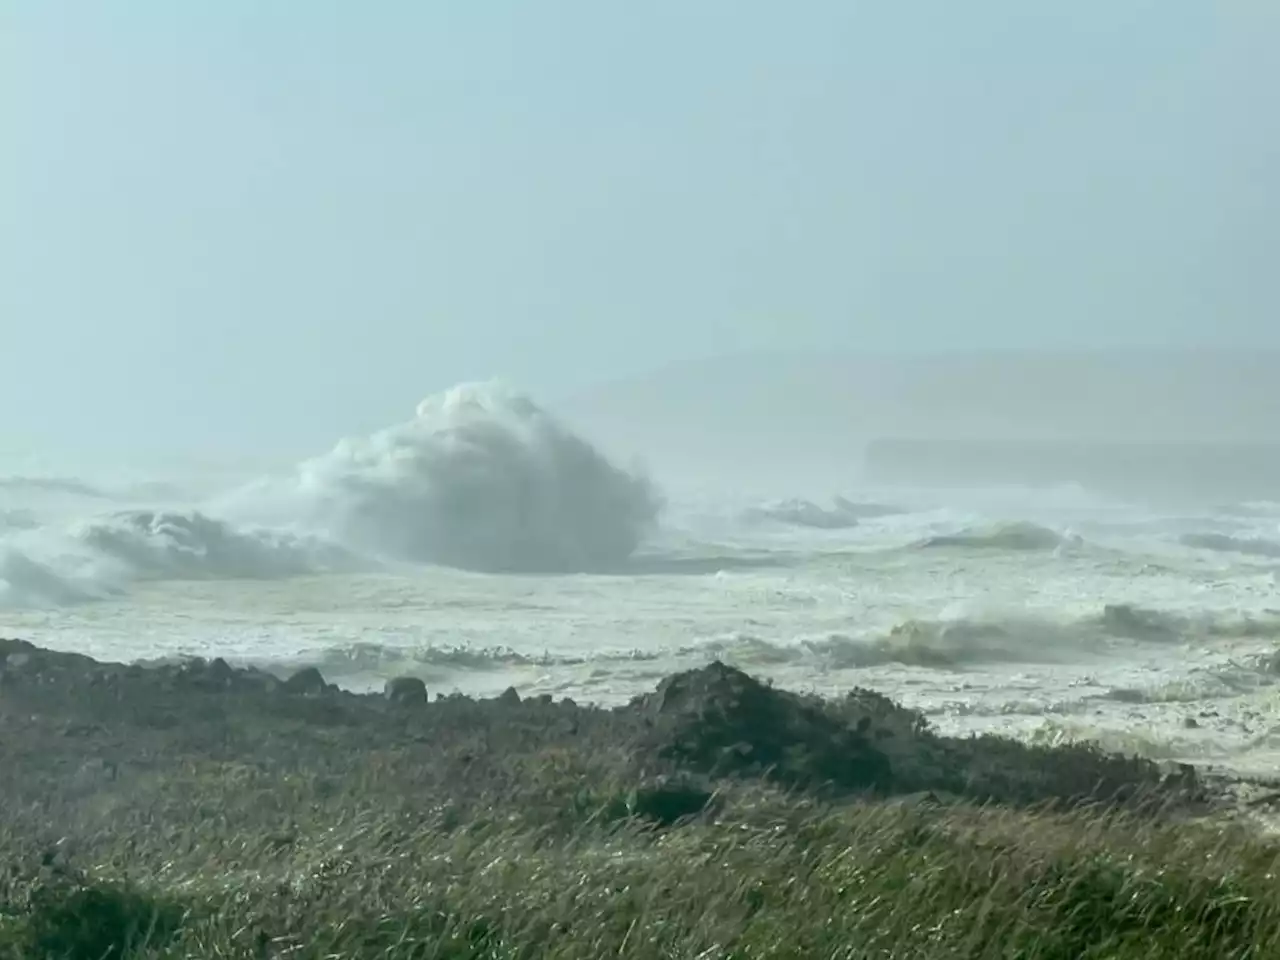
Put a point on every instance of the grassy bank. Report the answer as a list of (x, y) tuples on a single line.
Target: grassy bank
[(202, 812)]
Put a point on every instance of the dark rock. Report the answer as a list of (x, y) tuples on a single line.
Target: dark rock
[(509, 696), (1191, 723), (214, 674), (405, 690), (705, 724), (668, 801), (720, 721), (306, 682), (219, 669), (9, 647)]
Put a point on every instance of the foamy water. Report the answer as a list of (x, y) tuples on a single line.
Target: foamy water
[(480, 544)]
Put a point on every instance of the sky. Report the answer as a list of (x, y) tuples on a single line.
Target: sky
[(253, 225)]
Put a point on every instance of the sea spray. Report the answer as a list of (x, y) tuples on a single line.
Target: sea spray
[(481, 478)]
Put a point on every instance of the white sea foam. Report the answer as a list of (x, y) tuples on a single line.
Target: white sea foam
[(1251, 546), (843, 514), (941, 644)]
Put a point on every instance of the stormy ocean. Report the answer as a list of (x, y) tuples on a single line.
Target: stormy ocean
[(482, 543)]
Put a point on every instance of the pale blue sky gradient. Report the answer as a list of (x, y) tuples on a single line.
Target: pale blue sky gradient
[(248, 223)]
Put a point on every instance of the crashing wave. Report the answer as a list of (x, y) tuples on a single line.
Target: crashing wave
[(360, 662), (865, 511), (1224, 543), (803, 513), (1016, 535), (952, 644), (173, 545), (481, 479), (1149, 743), (98, 558), (1130, 622), (25, 582)]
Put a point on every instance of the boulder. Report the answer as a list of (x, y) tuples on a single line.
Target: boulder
[(405, 690), (509, 697), (306, 682), (214, 674), (719, 721)]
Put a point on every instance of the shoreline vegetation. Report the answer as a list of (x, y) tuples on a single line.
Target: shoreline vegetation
[(201, 810)]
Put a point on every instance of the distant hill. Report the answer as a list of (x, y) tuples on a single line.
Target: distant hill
[(824, 410), (1197, 470)]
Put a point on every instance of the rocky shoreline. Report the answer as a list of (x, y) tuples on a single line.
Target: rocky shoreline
[(68, 719)]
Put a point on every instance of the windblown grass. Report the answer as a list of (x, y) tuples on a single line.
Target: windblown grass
[(159, 821), (781, 879)]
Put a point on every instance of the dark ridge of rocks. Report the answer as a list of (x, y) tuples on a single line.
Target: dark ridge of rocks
[(720, 721), (66, 719)]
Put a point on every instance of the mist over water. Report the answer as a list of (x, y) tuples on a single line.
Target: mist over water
[(485, 541), (482, 478)]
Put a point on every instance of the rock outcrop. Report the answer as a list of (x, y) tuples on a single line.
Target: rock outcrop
[(60, 711), (407, 690)]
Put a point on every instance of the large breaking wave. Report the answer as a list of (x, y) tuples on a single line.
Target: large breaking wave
[(480, 478), (91, 559), (958, 645), (962, 642), (176, 545)]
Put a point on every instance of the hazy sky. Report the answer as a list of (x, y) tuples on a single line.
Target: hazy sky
[(247, 223)]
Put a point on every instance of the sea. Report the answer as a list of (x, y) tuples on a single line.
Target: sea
[(481, 544)]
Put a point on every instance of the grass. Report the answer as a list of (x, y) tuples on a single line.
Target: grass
[(322, 830), (780, 879)]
